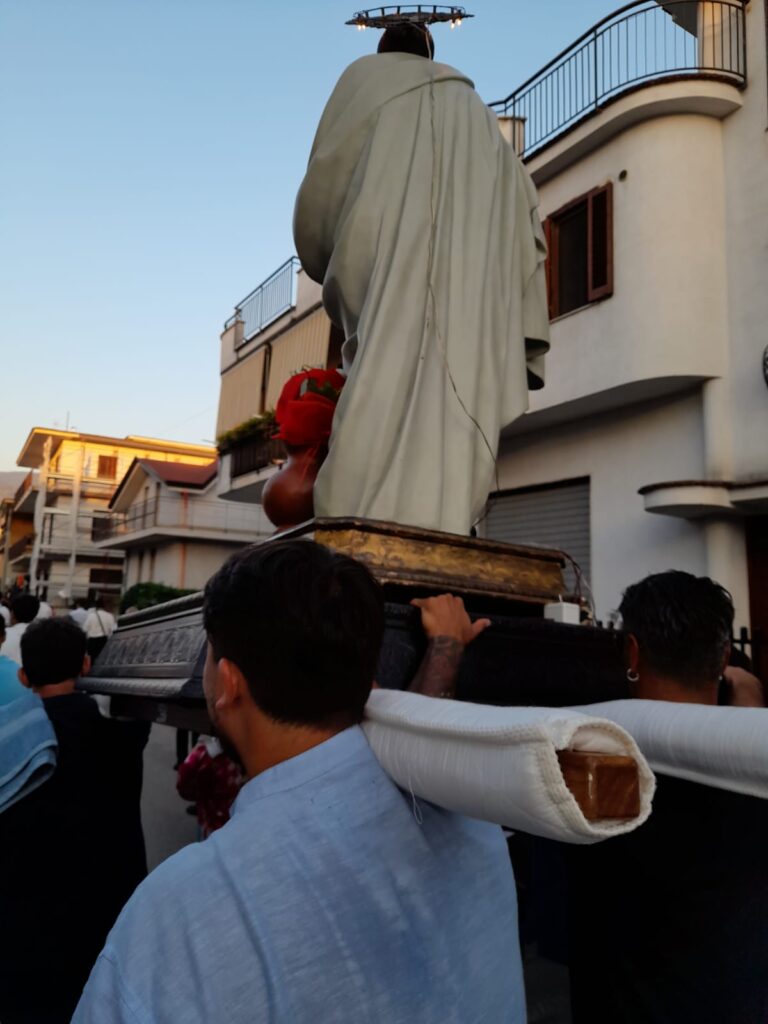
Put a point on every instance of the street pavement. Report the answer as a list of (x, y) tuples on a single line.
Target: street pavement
[(167, 826)]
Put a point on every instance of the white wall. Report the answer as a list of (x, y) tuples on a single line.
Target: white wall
[(746, 171), (668, 314), (187, 565), (620, 452)]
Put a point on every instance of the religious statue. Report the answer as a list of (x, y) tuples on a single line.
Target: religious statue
[(420, 222)]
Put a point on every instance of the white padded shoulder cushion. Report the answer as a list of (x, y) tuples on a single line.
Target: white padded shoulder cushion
[(497, 764), (722, 747)]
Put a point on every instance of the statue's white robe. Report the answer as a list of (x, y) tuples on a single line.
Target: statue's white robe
[(420, 222)]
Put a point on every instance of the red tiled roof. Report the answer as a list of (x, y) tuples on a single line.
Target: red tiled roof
[(181, 474)]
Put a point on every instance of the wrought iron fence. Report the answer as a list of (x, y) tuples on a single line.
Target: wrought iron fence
[(267, 301), (256, 454), (20, 547), (24, 487), (643, 42)]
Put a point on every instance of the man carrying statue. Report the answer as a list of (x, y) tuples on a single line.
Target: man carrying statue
[(420, 222)]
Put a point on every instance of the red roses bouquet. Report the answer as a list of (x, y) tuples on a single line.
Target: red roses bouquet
[(306, 406)]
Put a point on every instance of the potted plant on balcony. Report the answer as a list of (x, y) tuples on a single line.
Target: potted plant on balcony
[(261, 427), (304, 416)]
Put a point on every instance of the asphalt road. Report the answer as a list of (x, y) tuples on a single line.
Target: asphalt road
[(167, 826)]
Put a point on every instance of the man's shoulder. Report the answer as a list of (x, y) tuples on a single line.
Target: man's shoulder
[(169, 887)]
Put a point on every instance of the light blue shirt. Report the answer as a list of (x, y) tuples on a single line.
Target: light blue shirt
[(10, 687), (331, 896)]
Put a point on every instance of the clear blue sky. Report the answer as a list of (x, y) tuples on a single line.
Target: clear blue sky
[(151, 152)]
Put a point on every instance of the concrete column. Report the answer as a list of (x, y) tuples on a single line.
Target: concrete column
[(718, 431), (727, 563), (513, 130), (38, 519), (74, 511)]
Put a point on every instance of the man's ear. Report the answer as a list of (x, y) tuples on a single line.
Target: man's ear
[(23, 679), (232, 687), (632, 653), (87, 662), (726, 658)]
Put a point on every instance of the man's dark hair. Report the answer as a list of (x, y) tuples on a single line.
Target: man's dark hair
[(408, 38), (683, 625), (303, 624), (52, 651), (25, 607)]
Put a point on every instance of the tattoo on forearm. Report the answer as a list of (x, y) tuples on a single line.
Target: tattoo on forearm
[(438, 671)]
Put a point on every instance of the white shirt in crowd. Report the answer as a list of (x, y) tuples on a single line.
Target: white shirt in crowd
[(79, 616), (99, 623), (12, 646), (5, 612), (45, 611)]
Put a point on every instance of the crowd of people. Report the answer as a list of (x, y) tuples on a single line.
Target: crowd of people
[(18, 608), (319, 893)]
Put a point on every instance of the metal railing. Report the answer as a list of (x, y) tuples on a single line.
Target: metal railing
[(20, 547), (644, 42), (255, 454), (24, 487), (176, 512), (267, 301)]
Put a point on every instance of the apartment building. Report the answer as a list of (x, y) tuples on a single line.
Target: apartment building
[(172, 528), (61, 509)]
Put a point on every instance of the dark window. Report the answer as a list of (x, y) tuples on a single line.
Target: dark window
[(580, 241), (106, 576), (100, 528), (265, 377), (107, 467)]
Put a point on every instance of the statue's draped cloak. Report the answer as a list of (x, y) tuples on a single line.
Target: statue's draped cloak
[(420, 222)]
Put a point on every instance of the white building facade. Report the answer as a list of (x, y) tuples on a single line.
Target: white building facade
[(648, 447), (172, 528)]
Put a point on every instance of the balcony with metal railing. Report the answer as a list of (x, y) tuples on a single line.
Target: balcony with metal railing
[(644, 43), (24, 498), (178, 516), (268, 301), (21, 549)]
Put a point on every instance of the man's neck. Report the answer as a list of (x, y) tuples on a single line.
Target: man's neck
[(272, 743), (56, 689), (653, 687)]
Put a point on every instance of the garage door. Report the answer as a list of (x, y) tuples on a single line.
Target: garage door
[(552, 516)]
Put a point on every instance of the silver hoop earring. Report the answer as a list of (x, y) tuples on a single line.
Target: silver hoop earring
[(632, 677)]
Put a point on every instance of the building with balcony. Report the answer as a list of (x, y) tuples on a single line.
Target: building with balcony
[(277, 330), (648, 447), (166, 518), (61, 509)]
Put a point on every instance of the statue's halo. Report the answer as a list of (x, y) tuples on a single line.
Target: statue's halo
[(414, 14)]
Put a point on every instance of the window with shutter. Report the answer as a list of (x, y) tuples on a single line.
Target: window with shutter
[(107, 469), (580, 252), (553, 515)]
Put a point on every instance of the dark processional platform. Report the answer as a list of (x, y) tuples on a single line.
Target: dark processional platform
[(152, 666)]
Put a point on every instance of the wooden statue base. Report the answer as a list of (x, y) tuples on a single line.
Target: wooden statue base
[(430, 561)]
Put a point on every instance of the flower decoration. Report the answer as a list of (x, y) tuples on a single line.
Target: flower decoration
[(304, 412)]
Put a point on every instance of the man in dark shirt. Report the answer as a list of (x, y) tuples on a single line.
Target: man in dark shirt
[(669, 924), (72, 852)]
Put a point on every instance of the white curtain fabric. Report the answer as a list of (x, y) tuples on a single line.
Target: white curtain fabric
[(497, 764), (722, 747), (420, 222)]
